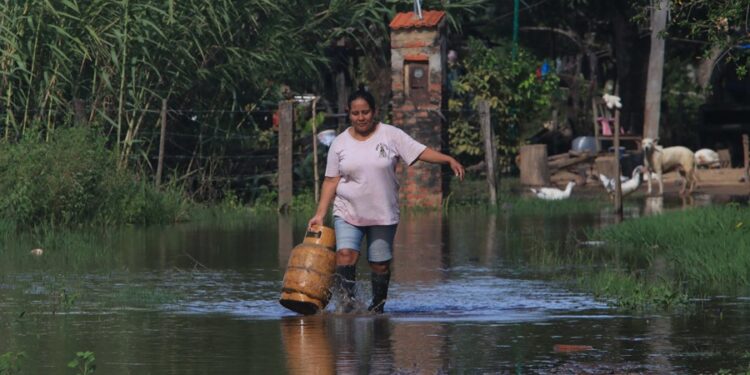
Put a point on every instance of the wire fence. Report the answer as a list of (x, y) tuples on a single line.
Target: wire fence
[(252, 172), (220, 149)]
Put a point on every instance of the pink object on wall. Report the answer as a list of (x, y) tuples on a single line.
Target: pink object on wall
[(606, 124)]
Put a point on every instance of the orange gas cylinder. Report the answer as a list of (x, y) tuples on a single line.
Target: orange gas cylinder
[(309, 273)]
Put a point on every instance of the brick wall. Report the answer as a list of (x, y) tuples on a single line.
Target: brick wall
[(422, 184)]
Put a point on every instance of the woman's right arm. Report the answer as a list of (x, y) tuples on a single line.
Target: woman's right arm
[(326, 197)]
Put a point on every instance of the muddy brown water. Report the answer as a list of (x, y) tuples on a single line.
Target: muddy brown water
[(202, 299)]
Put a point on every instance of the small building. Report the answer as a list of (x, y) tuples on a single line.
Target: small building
[(418, 60)]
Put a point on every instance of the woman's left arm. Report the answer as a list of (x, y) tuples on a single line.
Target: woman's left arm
[(432, 156)]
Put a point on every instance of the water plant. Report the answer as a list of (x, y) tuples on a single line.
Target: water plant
[(10, 363), (65, 249), (633, 293), (84, 363), (63, 300)]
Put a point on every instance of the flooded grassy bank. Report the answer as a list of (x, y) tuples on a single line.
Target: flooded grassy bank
[(656, 262), (474, 289)]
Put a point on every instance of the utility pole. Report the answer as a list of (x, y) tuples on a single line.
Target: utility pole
[(652, 110)]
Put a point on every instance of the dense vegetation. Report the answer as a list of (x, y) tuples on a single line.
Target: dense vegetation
[(72, 179), (220, 67)]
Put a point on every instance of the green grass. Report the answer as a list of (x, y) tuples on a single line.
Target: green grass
[(706, 249), (658, 262), (302, 202), (65, 250), (628, 291), (472, 193), (533, 206), (468, 194)]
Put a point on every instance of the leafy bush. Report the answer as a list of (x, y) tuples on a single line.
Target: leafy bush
[(10, 363), (516, 96), (84, 363), (73, 179)]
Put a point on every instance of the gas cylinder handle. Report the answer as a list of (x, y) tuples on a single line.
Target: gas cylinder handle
[(314, 234)]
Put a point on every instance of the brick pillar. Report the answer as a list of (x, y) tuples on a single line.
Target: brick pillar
[(417, 82)]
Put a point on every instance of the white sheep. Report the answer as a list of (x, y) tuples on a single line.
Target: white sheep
[(660, 160), (706, 157)]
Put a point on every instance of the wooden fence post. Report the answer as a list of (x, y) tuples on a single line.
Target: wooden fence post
[(489, 149), (618, 183), (746, 156), (316, 178), (286, 124), (162, 136)]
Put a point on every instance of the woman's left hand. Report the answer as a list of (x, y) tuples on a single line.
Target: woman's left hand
[(457, 168), (431, 156)]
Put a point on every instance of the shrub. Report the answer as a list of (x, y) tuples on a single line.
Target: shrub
[(73, 179)]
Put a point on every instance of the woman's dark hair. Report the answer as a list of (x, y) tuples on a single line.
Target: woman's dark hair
[(361, 93)]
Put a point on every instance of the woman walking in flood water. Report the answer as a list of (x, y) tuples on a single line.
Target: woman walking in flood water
[(361, 181)]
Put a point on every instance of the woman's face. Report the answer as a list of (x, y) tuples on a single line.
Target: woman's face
[(361, 116)]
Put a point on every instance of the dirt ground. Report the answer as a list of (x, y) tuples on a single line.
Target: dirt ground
[(717, 182), (723, 181)]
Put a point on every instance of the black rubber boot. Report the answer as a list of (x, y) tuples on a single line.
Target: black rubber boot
[(380, 283), (344, 282)]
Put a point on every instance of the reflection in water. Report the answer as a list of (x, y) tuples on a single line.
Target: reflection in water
[(306, 345), (490, 243), (703, 200), (418, 249), (658, 204), (687, 201), (286, 239), (660, 332), (362, 344), (419, 346), (653, 206)]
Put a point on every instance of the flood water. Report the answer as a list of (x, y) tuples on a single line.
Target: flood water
[(201, 298)]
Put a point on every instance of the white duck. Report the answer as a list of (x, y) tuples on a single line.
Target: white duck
[(606, 182), (627, 186), (553, 194), (634, 182), (609, 183)]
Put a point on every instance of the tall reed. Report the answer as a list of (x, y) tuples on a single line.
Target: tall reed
[(112, 62)]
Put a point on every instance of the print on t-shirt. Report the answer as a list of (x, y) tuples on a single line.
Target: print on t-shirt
[(382, 150)]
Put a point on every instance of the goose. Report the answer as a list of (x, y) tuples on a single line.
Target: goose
[(553, 194), (627, 186), (609, 183), (634, 182)]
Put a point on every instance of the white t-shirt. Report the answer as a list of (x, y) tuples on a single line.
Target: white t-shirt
[(367, 193)]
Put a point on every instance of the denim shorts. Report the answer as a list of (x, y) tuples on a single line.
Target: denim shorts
[(379, 239)]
